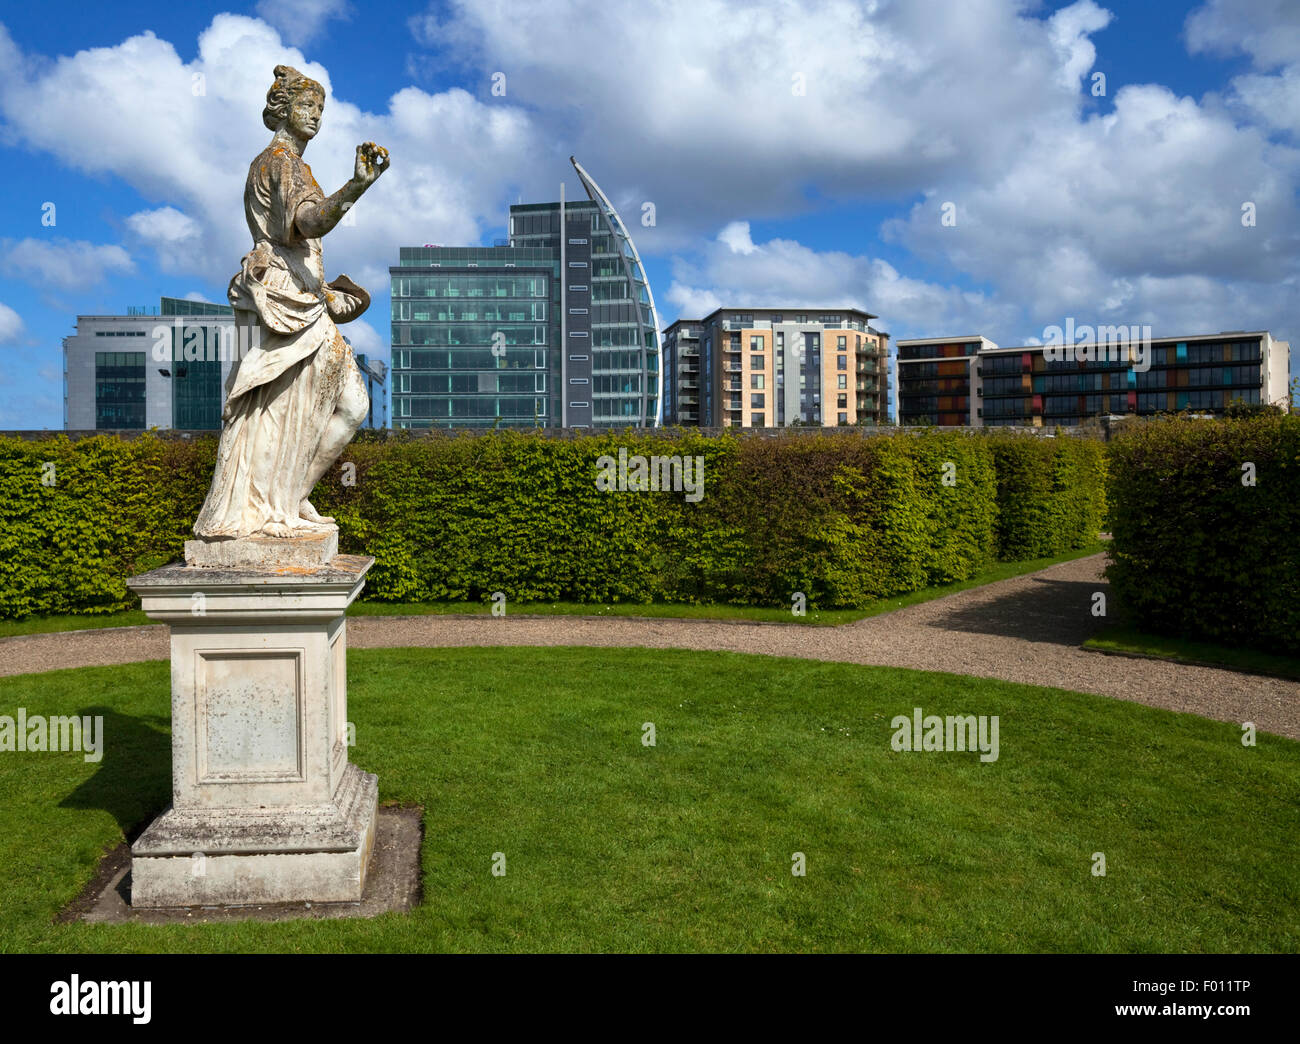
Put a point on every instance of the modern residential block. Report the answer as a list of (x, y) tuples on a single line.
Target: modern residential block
[(957, 381), (775, 367)]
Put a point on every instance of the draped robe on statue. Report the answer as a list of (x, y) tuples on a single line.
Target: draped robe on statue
[(281, 394)]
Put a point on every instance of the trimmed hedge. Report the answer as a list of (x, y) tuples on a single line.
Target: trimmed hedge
[(1196, 553), (845, 518), (1051, 494)]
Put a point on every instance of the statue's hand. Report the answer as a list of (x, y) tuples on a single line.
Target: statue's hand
[(372, 160)]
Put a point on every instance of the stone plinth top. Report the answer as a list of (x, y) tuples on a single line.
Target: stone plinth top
[(341, 569), (190, 596)]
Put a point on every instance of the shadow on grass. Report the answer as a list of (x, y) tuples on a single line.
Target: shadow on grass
[(133, 780)]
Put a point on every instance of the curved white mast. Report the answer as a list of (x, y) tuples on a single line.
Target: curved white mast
[(620, 229)]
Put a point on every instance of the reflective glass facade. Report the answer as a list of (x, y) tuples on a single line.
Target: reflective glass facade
[(119, 390), (556, 329), (473, 344)]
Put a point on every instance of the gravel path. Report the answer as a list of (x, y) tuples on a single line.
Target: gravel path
[(1027, 629)]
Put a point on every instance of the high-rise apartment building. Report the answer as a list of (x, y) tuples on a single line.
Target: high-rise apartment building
[(556, 329), (775, 367), (949, 381)]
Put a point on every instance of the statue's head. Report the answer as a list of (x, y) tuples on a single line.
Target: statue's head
[(294, 101)]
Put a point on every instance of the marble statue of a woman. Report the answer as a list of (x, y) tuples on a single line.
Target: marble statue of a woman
[(296, 397)]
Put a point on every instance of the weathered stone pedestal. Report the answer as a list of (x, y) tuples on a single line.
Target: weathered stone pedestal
[(265, 805)]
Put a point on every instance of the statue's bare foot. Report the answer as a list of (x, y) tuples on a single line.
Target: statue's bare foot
[(277, 529), (308, 512)]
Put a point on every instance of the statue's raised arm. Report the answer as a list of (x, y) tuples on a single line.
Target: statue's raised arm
[(296, 397)]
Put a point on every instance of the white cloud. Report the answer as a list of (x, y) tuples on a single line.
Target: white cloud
[(63, 264), (1069, 30), (365, 338), (301, 21), (11, 324), (1128, 206), (1267, 30), (453, 156), (702, 110), (1133, 214), (784, 273), (174, 236), (736, 236)]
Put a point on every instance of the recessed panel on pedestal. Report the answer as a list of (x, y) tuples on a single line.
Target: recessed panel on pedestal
[(249, 716)]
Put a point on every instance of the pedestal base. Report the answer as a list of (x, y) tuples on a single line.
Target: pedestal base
[(233, 856), (266, 807)]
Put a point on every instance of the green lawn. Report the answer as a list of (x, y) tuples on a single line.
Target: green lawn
[(687, 845), (1122, 638), (823, 617)]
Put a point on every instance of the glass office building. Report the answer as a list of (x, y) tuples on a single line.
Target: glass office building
[(472, 339), (155, 367), (556, 328)]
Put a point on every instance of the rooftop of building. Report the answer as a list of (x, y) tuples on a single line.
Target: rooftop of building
[(992, 346), (569, 204), (767, 312), (426, 255), (168, 307), (968, 339)]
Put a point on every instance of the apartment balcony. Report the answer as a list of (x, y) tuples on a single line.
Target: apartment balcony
[(688, 400), (868, 367)]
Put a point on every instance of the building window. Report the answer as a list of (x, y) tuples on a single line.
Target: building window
[(843, 381), (578, 405), (577, 311), (756, 380), (577, 333), (844, 418), (119, 389), (578, 358), (757, 420), (578, 380), (577, 264), (576, 287), (577, 242), (756, 362), (841, 361), (756, 402), (841, 343), (841, 401)]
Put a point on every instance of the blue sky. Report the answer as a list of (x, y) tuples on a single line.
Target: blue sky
[(795, 153)]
